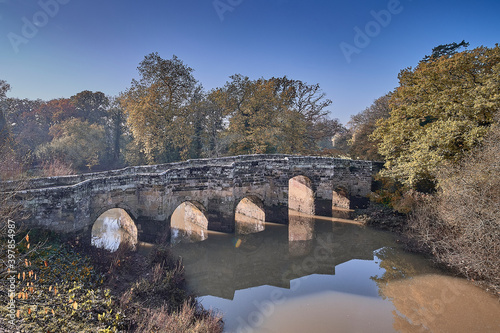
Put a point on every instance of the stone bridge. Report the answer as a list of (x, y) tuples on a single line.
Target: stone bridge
[(150, 194)]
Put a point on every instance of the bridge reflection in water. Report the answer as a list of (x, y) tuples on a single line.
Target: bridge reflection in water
[(223, 263), (188, 223)]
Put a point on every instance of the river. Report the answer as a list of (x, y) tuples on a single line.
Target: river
[(317, 275)]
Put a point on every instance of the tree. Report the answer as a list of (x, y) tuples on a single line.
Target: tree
[(10, 167), (255, 110), (4, 87), (75, 142), (115, 128), (440, 110), (276, 115), (310, 103), (91, 106), (214, 140), (155, 105), (27, 128), (55, 111), (362, 125), (445, 50)]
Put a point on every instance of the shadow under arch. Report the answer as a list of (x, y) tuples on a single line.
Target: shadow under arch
[(188, 223), (113, 227), (301, 195), (249, 215)]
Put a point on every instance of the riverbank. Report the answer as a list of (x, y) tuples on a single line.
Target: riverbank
[(410, 227), (68, 287)]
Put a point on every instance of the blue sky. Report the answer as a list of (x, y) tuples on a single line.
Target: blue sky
[(97, 45)]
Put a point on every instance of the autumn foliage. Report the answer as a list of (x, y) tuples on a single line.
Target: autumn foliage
[(460, 224), (440, 111)]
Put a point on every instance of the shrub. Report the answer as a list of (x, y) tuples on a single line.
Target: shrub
[(183, 321), (56, 168), (460, 224)]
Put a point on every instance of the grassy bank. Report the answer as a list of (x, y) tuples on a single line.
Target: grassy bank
[(67, 287)]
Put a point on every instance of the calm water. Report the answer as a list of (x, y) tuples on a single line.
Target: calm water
[(317, 275)]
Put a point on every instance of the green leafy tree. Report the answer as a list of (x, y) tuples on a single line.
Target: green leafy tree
[(440, 110), (77, 143)]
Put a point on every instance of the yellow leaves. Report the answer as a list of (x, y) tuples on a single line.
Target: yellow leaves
[(75, 305), (22, 295), (436, 113)]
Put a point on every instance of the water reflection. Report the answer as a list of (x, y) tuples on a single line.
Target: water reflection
[(300, 233), (346, 278), (437, 303), (342, 213), (426, 299), (217, 267), (188, 224), (112, 228)]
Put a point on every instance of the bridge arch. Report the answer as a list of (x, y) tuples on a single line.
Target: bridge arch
[(112, 228), (120, 205), (189, 222), (301, 195), (249, 215)]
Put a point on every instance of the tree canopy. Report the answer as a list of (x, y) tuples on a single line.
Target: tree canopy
[(156, 105), (362, 125), (276, 115), (166, 116), (445, 50), (440, 110)]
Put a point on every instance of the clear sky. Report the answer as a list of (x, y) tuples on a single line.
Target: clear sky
[(50, 51)]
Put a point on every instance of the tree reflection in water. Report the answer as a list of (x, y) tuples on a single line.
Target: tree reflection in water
[(426, 300)]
